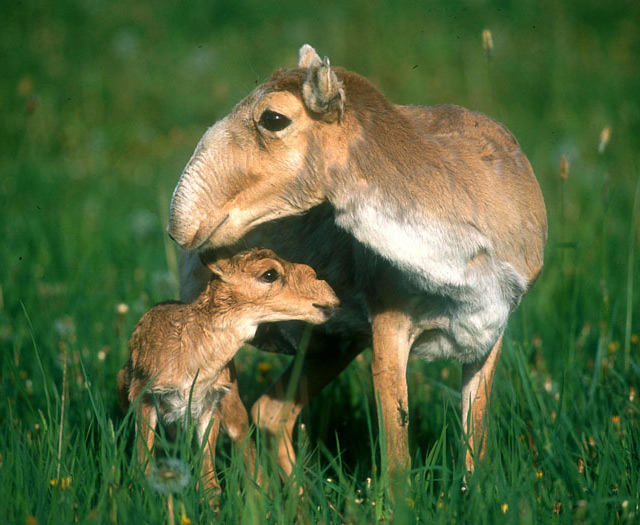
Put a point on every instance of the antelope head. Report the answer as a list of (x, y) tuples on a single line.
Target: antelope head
[(265, 160)]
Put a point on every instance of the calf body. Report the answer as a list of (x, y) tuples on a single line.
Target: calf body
[(179, 352)]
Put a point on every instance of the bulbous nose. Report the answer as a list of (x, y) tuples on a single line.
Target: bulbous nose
[(181, 229)]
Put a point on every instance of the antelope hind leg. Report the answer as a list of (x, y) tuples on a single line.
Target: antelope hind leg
[(477, 380), (276, 415)]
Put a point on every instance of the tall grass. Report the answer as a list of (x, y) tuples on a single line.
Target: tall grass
[(102, 105)]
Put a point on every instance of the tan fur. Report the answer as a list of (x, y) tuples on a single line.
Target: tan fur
[(446, 221), (477, 381), (179, 352)]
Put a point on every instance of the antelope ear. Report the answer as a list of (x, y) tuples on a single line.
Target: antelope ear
[(308, 57), (322, 92)]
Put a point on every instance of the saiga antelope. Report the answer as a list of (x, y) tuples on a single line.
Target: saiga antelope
[(428, 222)]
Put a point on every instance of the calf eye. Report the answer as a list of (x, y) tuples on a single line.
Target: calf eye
[(269, 276), (273, 121)]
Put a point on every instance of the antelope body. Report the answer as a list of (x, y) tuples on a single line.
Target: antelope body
[(428, 222), (179, 352)]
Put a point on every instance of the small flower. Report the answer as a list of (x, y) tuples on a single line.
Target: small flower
[(605, 135), (615, 420), (632, 393), (487, 41), (264, 367), (564, 167), (580, 466), (634, 339), (504, 508), (445, 373), (613, 346), (539, 474), (31, 520), (184, 519), (102, 355), (169, 475), (65, 326), (557, 508), (63, 483), (122, 308)]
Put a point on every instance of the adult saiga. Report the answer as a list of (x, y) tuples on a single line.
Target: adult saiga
[(428, 222)]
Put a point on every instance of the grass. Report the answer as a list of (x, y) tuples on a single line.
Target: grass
[(102, 105)]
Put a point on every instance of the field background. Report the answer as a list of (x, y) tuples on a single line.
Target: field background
[(101, 106)]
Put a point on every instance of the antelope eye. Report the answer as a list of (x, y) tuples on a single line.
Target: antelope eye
[(273, 121), (270, 276)]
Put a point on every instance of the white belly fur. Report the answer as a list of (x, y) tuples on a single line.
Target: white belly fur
[(435, 257)]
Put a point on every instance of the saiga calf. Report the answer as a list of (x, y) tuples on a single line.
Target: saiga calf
[(178, 351)]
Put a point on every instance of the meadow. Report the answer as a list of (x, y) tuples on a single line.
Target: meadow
[(102, 104)]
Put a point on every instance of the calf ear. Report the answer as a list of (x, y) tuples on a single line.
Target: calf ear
[(322, 92), (214, 266), (216, 270)]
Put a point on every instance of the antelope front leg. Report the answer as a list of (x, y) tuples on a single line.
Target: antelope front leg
[(391, 346), (477, 379), (277, 415), (147, 419)]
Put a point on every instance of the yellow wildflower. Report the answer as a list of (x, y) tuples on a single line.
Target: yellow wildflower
[(264, 367), (564, 167), (605, 135), (487, 41), (63, 483)]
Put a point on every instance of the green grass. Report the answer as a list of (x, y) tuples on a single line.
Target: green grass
[(102, 105)]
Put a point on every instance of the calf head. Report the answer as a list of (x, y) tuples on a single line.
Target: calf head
[(269, 289), (267, 159)]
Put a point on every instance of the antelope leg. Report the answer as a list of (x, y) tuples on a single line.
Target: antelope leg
[(477, 379), (276, 415), (391, 346)]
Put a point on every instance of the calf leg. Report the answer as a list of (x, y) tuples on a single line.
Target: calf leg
[(147, 419), (208, 472), (391, 345), (477, 379), (235, 421), (276, 414)]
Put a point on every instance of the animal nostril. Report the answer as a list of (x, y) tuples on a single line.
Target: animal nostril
[(326, 309)]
